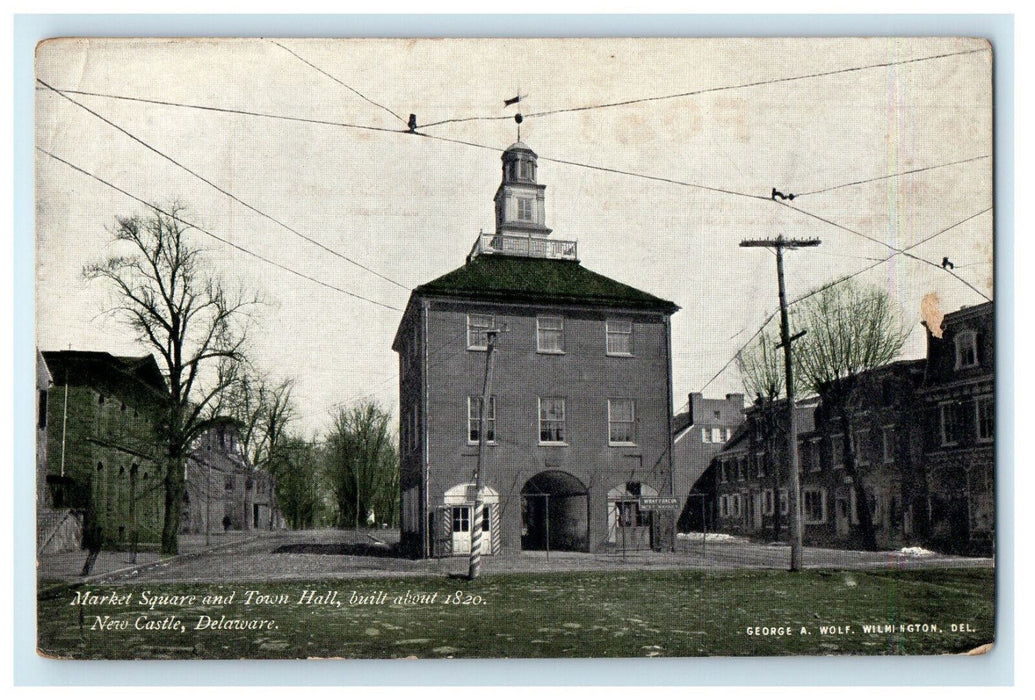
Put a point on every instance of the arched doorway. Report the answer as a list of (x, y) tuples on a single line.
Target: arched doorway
[(555, 513), (628, 524)]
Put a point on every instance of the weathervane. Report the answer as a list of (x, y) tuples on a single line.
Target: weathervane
[(517, 117)]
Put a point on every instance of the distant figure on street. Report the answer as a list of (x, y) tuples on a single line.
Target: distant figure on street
[(93, 537), (371, 520)]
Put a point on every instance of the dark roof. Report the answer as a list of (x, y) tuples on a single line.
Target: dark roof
[(680, 422), (143, 368), (501, 278)]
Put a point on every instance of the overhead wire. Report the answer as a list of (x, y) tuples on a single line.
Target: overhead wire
[(834, 283), (222, 190), (240, 248), (889, 245), (703, 91), (344, 85)]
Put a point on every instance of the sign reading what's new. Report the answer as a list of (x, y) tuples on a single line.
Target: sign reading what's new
[(659, 502)]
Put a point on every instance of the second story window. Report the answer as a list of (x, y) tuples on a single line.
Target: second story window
[(619, 337), (862, 437), (949, 423), (837, 448), (524, 209), (549, 334), (966, 349), (621, 421), (888, 442), (474, 419), (984, 408), (478, 326), (552, 420)]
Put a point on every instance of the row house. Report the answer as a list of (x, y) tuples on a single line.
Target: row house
[(699, 434), (579, 423), (751, 472), (959, 422), (923, 433)]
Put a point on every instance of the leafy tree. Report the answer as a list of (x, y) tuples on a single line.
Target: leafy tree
[(182, 312), (296, 466), (362, 465), (852, 329)]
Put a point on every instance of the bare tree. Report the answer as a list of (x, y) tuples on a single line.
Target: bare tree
[(363, 465), (261, 408), (852, 329), (184, 314)]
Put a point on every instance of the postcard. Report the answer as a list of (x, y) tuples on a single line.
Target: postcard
[(511, 348)]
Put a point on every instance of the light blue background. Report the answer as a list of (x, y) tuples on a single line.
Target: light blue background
[(995, 668)]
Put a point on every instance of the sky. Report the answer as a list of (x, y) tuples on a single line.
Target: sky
[(658, 191)]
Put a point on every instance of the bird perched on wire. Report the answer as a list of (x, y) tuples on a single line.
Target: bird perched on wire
[(947, 264)]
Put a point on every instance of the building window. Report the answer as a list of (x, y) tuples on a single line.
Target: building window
[(783, 502), (41, 409), (729, 434), (984, 413), (621, 421), (949, 423), (760, 470), (815, 461), (461, 519), (767, 502), (486, 524), (549, 334), (837, 449), (966, 349), (474, 419), (888, 443), (478, 326), (724, 506), (619, 337), (717, 435), (740, 468), (815, 506), (551, 420), (527, 170), (524, 209), (413, 428), (724, 472), (735, 505), (861, 453), (706, 435)]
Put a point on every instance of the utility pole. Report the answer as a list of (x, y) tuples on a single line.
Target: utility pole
[(483, 430), (794, 488)]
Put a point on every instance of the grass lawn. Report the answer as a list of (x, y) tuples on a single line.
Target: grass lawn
[(591, 614)]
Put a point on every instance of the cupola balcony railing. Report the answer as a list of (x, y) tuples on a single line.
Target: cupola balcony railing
[(524, 246)]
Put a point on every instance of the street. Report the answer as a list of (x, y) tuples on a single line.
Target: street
[(336, 554)]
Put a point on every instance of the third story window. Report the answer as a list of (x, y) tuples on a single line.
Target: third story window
[(478, 326), (888, 441), (551, 420), (619, 337), (621, 421), (966, 349)]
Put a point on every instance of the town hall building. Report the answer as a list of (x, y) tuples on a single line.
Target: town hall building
[(579, 422)]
